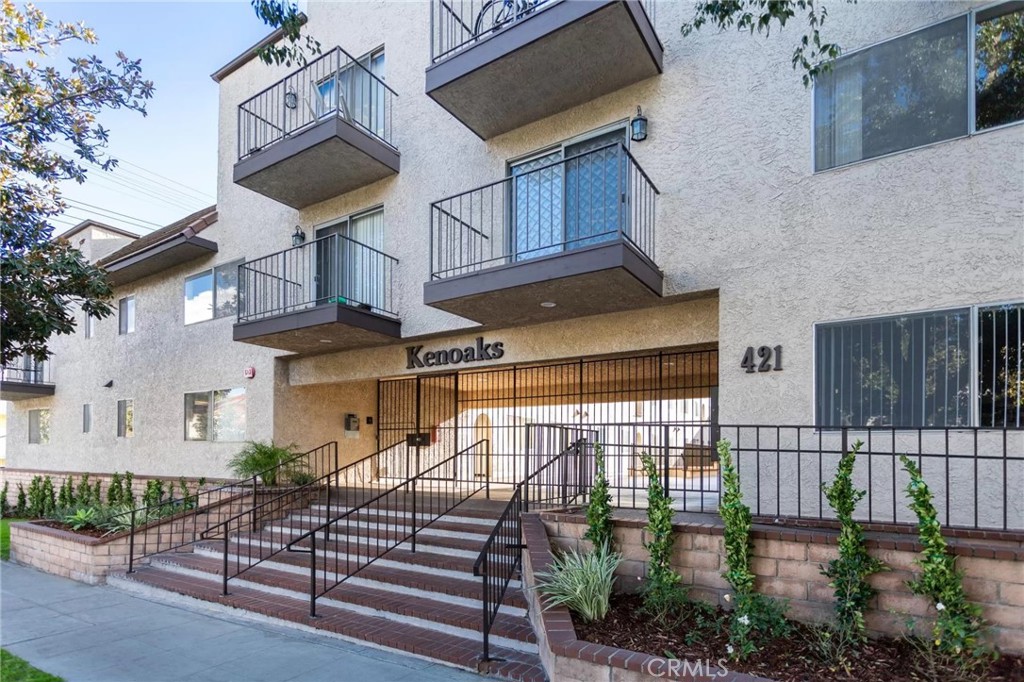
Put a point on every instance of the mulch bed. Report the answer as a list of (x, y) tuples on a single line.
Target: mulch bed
[(91, 532), (791, 659)]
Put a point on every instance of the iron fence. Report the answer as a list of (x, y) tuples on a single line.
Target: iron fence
[(27, 371), (597, 197), (335, 85), (458, 24), (331, 269)]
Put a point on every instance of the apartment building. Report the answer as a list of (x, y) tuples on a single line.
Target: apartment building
[(468, 223)]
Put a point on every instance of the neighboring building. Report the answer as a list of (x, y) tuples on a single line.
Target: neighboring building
[(466, 231)]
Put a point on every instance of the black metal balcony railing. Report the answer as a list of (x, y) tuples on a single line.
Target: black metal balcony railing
[(334, 85), (596, 197), (332, 269), (457, 24), (30, 372)]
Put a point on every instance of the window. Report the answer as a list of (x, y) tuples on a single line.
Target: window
[(125, 418), (349, 265), (212, 294), (215, 415), (917, 89), (953, 368), (86, 418), (39, 426), (126, 315), (89, 326), (356, 93)]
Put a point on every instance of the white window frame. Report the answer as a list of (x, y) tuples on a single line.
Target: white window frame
[(974, 416), (211, 407), (972, 25), (212, 272), (122, 323)]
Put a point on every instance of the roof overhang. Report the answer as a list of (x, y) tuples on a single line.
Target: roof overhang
[(181, 248)]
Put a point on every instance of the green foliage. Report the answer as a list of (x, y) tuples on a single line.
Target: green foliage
[(4, 508), (663, 592), (18, 670), (812, 54), (301, 477), (581, 581), (41, 498), (958, 621), (849, 573), (599, 511), (84, 491), (66, 496), (154, 494), (755, 618), (49, 496), (286, 16), (43, 111), (128, 494), (81, 518), (115, 491), (22, 505), (999, 46), (262, 459)]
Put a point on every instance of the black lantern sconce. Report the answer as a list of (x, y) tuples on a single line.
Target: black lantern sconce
[(298, 237), (291, 100), (638, 126)]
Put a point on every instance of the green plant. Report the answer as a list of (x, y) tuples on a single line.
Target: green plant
[(35, 497), (4, 509), (49, 496), (83, 493), (115, 491), (663, 592), (301, 477), (849, 573), (599, 511), (66, 496), (581, 581), (755, 618), (153, 496), (22, 505), (97, 493), (127, 490), (84, 517), (18, 670), (958, 622), (261, 459)]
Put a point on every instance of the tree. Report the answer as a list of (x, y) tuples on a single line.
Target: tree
[(285, 16), (40, 106), (811, 54), (1000, 76)]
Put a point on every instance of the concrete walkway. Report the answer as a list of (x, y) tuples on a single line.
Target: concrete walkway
[(84, 633)]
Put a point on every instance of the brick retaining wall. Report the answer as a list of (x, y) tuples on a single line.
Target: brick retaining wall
[(24, 476)]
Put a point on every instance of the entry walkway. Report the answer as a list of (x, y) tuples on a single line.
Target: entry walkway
[(86, 634)]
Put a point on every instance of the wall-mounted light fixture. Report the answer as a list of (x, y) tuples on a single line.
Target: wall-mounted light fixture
[(291, 100), (638, 126), (298, 237)]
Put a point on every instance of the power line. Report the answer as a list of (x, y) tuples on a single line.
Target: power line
[(197, 191), (112, 184), (83, 205), (80, 219)]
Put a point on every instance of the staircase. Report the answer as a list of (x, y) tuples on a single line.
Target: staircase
[(425, 602)]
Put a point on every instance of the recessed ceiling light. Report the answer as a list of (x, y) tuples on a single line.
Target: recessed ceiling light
[(548, 304), (326, 341)]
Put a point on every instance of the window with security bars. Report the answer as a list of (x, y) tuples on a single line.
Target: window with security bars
[(952, 368)]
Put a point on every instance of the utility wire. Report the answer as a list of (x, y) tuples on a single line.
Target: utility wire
[(86, 207)]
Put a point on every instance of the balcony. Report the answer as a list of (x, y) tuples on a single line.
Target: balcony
[(497, 65), (322, 131), (25, 379), (331, 294), (566, 239)]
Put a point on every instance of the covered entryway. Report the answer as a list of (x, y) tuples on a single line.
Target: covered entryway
[(662, 404)]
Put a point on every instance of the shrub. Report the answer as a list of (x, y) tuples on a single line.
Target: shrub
[(84, 517), (22, 505), (4, 507), (83, 494), (599, 511), (958, 622), (581, 581), (128, 494), (66, 497), (49, 496), (153, 496), (849, 573), (115, 491), (36, 504), (755, 618), (663, 592), (261, 459)]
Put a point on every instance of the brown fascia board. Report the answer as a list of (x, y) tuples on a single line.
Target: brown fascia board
[(244, 58)]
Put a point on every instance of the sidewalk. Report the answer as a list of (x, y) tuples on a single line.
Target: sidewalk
[(101, 634)]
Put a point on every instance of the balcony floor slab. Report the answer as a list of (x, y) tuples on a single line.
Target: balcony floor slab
[(321, 329)]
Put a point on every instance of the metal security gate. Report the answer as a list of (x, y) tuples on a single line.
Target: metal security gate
[(663, 404)]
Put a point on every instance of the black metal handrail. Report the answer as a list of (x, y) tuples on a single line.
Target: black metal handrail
[(393, 517), (563, 480), (458, 24), (267, 528), (599, 196), (332, 269), (192, 516), (31, 372), (335, 84)]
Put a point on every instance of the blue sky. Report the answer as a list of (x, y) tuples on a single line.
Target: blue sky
[(180, 45)]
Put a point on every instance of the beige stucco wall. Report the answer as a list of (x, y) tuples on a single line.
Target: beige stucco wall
[(740, 213)]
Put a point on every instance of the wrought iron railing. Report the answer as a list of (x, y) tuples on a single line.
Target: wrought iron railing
[(176, 522), (26, 372), (335, 84), (562, 481), (600, 196), (365, 532), (458, 24), (332, 269), (268, 528)]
